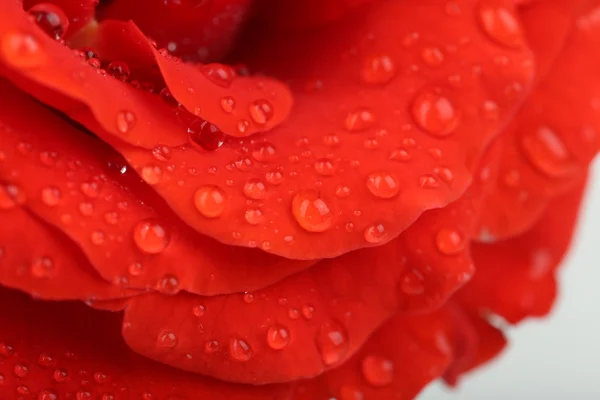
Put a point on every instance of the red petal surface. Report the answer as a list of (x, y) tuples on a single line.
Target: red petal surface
[(41, 261), (195, 30), (351, 141), (515, 277), (553, 139), (229, 336), (77, 184), (68, 350)]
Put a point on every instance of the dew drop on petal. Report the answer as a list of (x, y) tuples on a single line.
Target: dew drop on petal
[(51, 196), (264, 152), (434, 113), (205, 135), (547, 153), (42, 268), (210, 201), (449, 241), (169, 285), (119, 70), (10, 196), (255, 189), (126, 121), (199, 310), (332, 342), (22, 50), (378, 69), (311, 212), (500, 24), (413, 283), (60, 375), (378, 371), (432, 56), (375, 234), (21, 370), (383, 185), (228, 104), (150, 237), (240, 350), (278, 337), (47, 394), (45, 360), (254, 216), (151, 174), (167, 339), (359, 120), (349, 392), (261, 111), (324, 167), (211, 346)]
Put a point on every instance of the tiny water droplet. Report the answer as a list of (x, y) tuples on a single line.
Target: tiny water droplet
[(21, 370), (378, 371), (412, 283), (308, 311), (449, 241), (500, 24), (359, 120), (119, 70), (274, 177), (60, 375), (45, 360), (378, 69), (342, 191), (261, 111), (169, 285), (255, 189), (210, 201), (264, 152), (126, 121), (150, 237), (211, 346), (199, 310), (51, 196), (151, 174), (324, 167), (375, 234), (311, 212), (432, 56), (10, 196), (228, 104), (47, 394), (254, 216), (42, 268), (167, 339), (332, 342), (400, 155), (278, 337)]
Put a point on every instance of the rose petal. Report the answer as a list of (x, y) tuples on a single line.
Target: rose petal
[(515, 277), (79, 186), (349, 158), (71, 351), (550, 144), (79, 13)]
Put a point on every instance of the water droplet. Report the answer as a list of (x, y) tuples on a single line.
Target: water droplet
[(47, 394), (45, 360), (324, 167), (264, 152), (135, 269), (274, 177), (51, 196), (255, 189), (382, 185), (126, 121), (308, 311), (332, 342), (21, 370), (111, 218), (239, 350), (261, 111), (90, 189), (220, 74), (400, 155), (378, 371), (375, 234), (211, 346), (168, 284), (254, 216), (205, 135), (48, 158), (10, 196), (6, 350), (199, 310), (150, 237), (100, 378), (359, 120), (412, 283), (210, 201), (60, 375), (449, 241), (500, 24), (432, 56), (435, 114), (23, 390), (151, 174), (97, 238), (311, 212), (22, 50), (342, 191), (293, 313), (428, 182), (118, 70), (167, 339), (83, 395), (546, 151), (378, 69), (228, 104), (278, 337), (348, 392), (42, 267), (445, 174)]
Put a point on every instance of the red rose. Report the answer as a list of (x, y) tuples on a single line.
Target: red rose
[(335, 211)]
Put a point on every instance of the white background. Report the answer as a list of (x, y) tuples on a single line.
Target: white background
[(557, 357)]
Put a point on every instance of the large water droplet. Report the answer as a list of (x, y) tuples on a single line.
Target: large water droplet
[(311, 212), (21, 370), (278, 337), (378, 371), (167, 339), (383, 185), (210, 201), (118, 70), (378, 69), (547, 153), (22, 50), (261, 111), (434, 113), (150, 237), (449, 241), (500, 24), (332, 342), (205, 135), (240, 350)]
